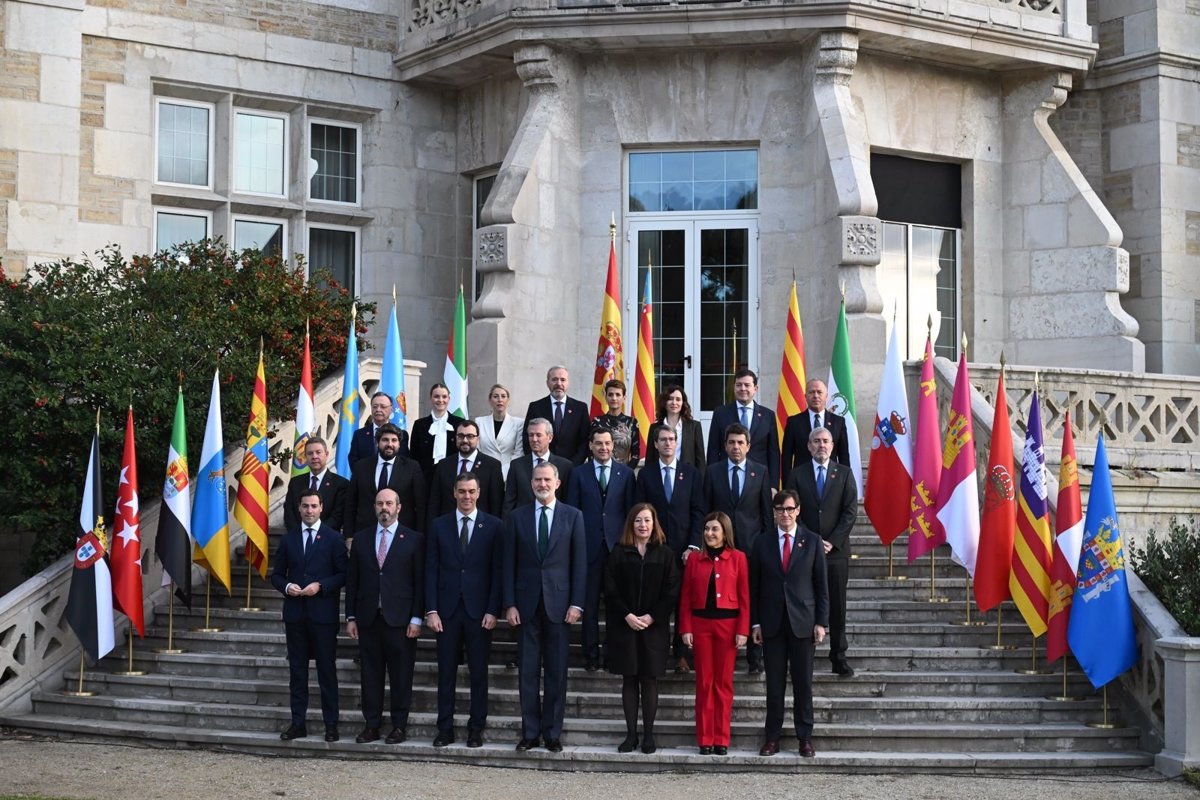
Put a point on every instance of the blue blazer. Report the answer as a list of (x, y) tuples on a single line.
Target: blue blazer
[(473, 577), (603, 514), (682, 518), (325, 563), (560, 580), (362, 444), (764, 438)]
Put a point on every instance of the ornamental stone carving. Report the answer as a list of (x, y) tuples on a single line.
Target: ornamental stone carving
[(491, 253), (433, 12), (860, 240)]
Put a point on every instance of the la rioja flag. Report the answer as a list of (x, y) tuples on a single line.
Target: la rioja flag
[(126, 556), (89, 604), (889, 479)]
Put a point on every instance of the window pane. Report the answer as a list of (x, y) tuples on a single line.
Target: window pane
[(483, 188), (335, 251), (176, 229), (701, 180), (335, 149), (260, 154), (266, 237), (182, 144), (645, 167), (724, 308)]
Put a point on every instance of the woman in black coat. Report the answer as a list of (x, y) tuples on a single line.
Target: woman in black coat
[(641, 587), (675, 412)]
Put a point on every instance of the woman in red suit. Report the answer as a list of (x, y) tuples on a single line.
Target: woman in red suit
[(714, 619)]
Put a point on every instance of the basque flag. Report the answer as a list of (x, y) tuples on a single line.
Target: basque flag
[(89, 605)]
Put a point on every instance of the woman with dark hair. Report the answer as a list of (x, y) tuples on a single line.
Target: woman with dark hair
[(675, 412), (627, 443), (641, 586), (433, 434), (714, 620)]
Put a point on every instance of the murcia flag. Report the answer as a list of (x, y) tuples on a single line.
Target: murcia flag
[(89, 604), (999, 523)]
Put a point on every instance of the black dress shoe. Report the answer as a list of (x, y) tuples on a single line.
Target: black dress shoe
[(770, 748), (294, 732), (367, 735), (332, 735), (397, 736), (720, 750), (806, 748), (648, 744), (554, 745), (592, 665), (475, 739), (755, 669), (629, 745), (443, 738), (706, 750), (528, 744), (843, 670)]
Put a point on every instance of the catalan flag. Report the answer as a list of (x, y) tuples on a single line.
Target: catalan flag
[(348, 419), (1030, 580), (305, 413), (792, 375), (250, 507), (925, 531), (1068, 541), (210, 509), (999, 524), (610, 351), (644, 403)]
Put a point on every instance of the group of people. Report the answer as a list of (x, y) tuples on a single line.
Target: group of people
[(463, 523)]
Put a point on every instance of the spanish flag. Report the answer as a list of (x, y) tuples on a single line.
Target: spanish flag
[(610, 353)]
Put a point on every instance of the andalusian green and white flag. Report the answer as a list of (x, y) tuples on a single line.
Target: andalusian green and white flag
[(455, 375), (841, 394)]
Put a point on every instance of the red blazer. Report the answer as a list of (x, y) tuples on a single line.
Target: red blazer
[(733, 587)]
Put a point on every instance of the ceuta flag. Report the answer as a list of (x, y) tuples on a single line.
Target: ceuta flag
[(889, 479), (89, 603), (250, 507), (958, 493), (125, 559), (1068, 527), (610, 351), (1030, 581), (643, 380), (925, 531), (999, 523), (792, 372)]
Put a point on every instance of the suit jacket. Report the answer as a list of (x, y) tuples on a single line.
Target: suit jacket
[(795, 439), (397, 590), (405, 478), (473, 577), (333, 500), (560, 580), (441, 490), (801, 597), (751, 514), (518, 490), (571, 440), (831, 515), (682, 518), (689, 449), (603, 512), (764, 438), (325, 563), (733, 587), (362, 444), (506, 445), (420, 447)]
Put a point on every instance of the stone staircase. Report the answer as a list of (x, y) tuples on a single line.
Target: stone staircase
[(929, 695)]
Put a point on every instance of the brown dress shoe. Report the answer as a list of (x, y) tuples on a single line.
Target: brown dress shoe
[(397, 736), (806, 748), (770, 748), (367, 735)]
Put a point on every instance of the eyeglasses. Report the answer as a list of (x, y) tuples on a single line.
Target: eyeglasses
[(786, 509), (466, 436)]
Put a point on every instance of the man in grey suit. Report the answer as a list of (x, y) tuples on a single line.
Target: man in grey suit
[(545, 579), (518, 486)]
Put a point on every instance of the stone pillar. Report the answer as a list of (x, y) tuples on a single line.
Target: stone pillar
[(1181, 704)]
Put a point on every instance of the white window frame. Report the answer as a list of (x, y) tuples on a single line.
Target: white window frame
[(717, 212), (233, 148), (212, 119), (915, 335), (358, 162), (283, 223), (356, 230), (180, 212)]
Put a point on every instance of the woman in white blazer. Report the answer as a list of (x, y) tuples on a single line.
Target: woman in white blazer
[(500, 432)]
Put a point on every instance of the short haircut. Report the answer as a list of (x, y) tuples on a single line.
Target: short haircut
[(545, 423), (817, 431), (596, 430), (465, 424), (615, 383), (554, 369), (310, 492), (746, 373), (787, 494), (464, 477), (726, 525), (737, 429), (316, 440), (384, 395), (388, 427), (545, 465)]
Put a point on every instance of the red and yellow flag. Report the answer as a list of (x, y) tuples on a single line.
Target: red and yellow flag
[(1030, 580), (999, 524), (1068, 527), (610, 353), (250, 508), (792, 372), (643, 384)]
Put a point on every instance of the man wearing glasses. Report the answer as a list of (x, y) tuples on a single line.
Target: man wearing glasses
[(486, 469)]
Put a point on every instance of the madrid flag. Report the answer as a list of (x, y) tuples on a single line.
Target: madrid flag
[(126, 553)]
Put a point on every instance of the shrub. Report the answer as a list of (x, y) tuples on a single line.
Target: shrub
[(1170, 567)]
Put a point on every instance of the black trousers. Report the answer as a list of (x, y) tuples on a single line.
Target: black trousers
[(386, 649), (785, 653), (316, 641), (838, 570), (590, 636)]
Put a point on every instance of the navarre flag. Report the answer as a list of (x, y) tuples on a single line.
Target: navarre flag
[(455, 374), (925, 531), (90, 602), (253, 498), (792, 372), (1068, 541), (610, 350), (348, 419), (841, 394), (306, 415), (173, 543), (644, 397), (999, 523), (1100, 631), (1030, 581), (958, 493), (125, 555), (391, 379), (210, 510), (889, 483)]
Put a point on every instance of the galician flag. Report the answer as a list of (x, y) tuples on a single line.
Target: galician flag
[(305, 413), (958, 493), (610, 350), (792, 372), (925, 531), (348, 420), (1068, 541), (253, 498), (644, 393), (841, 394), (173, 543), (999, 523), (455, 374), (391, 379), (1030, 581), (210, 512), (125, 557), (90, 601), (889, 482)]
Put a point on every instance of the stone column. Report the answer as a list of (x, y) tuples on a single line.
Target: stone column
[(1181, 704)]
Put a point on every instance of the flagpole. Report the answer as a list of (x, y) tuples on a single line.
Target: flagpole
[(1105, 725), (207, 608), (1064, 697), (999, 645), (170, 649), (249, 577), (1033, 667), (968, 622), (892, 576), (80, 691), (933, 596)]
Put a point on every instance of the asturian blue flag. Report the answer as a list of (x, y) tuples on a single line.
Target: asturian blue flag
[(348, 420), (391, 380), (1100, 631)]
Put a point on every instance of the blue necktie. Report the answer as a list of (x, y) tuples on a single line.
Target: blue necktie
[(820, 481), (667, 482), (746, 417)]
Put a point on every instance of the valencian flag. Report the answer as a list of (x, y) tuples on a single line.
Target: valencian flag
[(925, 531), (889, 482), (792, 375), (610, 351), (250, 507), (210, 510), (841, 394), (999, 523), (1068, 540), (173, 544), (125, 557), (644, 408), (1101, 631), (958, 493), (455, 374), (1030, 580), (391, 379), (348, 420), (306, 414), (89, 604)]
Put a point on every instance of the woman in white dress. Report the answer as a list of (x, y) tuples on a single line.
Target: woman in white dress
[(500, 432)]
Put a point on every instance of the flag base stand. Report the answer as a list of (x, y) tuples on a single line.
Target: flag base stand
[(891, 576), (1033, 667), (1064, 697), (80, 691), (249, 574), (208, 627), (933, 596), (130, 672), (999, 645), (968, 622), (1105, 725), (170, 649)]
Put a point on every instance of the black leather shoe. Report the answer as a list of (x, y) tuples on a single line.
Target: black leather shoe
[(475, 739), (648, 745), (755, 669), (443, 739), (629, 745), (769, 749), (554, 745), (592, 665), (720, 750), (332, 735), (294, 732), (806, 748), (706, 750), (843, 670), (367, 735), (528, 744), (397, 736)]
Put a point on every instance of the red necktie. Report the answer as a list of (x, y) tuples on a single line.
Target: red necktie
[(787, 551)]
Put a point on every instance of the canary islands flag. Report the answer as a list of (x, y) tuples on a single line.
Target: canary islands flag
[(210, 509)]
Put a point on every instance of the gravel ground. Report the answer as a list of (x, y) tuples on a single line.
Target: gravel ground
[(60, 768)]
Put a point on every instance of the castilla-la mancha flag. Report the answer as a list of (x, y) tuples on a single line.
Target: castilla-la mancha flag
[(1068, 541), (889, 479), (999, 522), (610, 351), (958, 493), (925, 531)]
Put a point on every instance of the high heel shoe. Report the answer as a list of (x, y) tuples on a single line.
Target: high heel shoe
[(629, 745)]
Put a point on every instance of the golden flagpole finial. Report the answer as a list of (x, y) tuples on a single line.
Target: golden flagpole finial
[(964, 344), (353, 311), (929, 326), (306, 327), (612, 226), (393, 294), (1036, 381), (1002, 361), (895, 311), (843, 287)]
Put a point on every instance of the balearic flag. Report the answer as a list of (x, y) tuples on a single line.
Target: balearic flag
[(455, 375), (610, 350), (90, 602), (644, 403), (841, 394), (1100, 631), (173, 543), (999, 523), (305, 413), (125, 556), (889, 482), (391, 378), (1030, 581), (1068, 540), (792, 374), (210, 510), (348, 418), (958, 493), (925, 531), (250, 507)]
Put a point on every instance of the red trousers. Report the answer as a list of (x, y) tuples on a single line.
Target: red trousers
[(715, 652)]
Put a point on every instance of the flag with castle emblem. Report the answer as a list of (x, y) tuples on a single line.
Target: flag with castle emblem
[(925, 531), (889, 481), (958, 492), (610, 350), (1068, 539), (173, 542), (89, 603)]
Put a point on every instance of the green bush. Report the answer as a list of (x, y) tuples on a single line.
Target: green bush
[(1170, 567), (77, 336)]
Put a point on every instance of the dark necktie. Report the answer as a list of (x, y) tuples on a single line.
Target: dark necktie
[(745, 413), (603, 478), (667, 482), (816, 420), (558, 415), (544, 533), (787, 551), (735, 488), (540, 461), (820, 481), (462, 467), (308, 539), (314, 483), (464, 535), (383, 477)]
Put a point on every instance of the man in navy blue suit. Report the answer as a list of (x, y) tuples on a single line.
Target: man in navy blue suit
[(568, 416), (603, 490), (545, 578), (463, 558), (754, 417), (310, 571), (363, 443)]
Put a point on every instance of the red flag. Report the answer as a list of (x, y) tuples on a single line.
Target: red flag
[(253, 496), (125, 559), (925, 531), (889, 478), (610, 351), (999, 512), (1068, 528), (958, 493)]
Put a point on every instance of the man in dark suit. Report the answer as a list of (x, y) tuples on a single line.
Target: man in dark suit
[(329, 485), (738, 487), (385, 586), (463, 559), (545, 579), (568, 417), (755, 418), (799, 426), (829, 506), (789, 612), (467, 458), (433, 434), (388, 470), (362, 444), (518, 489), (603, 491), (310, 571)]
